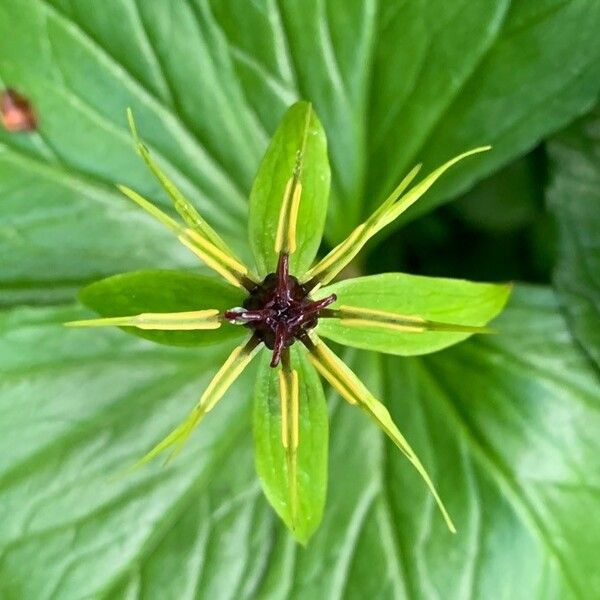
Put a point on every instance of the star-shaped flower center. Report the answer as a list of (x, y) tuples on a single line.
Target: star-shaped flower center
[(279, 310)]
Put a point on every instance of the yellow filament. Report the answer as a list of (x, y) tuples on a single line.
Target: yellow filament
[(283, 212), (290, 408), (232, 368), (351, 244), (226, 375), (284, 393), (360, 310), (226, 273), (353, 390), (383, 325), (223, 257), (158, 214), (182, 205), (295, 395), (358, 316), (215, 257), (391, 209), (294, 217), (334, 371), (179, 321), (405, 202), (285, 240), (355, 316)]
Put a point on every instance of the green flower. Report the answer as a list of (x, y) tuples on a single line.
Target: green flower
[(289, 299)]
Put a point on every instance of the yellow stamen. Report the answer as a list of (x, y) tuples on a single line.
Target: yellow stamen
[(178, 321), (371, 312), (283, 222), (186, 210), (324, 271), (389, 201), (343, 253), (295, 410), (335, 372), (290, 409), (295, 207), (158, 214), (339, 375), (232, 368), (284, 395), (221, 256), (383, 325), (397, 208), (285, 238), (214, 256), (358, 316), (231, 270)]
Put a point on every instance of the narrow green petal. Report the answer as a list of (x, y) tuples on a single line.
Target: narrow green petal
[(341, 377), (221, 261), (224, 264), (406, 201), (402, 186), (185, 209), (179, 321), (232, 368), (327, 269), (151, 209)]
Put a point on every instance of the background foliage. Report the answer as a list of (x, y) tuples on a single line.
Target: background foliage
[(508, 425)]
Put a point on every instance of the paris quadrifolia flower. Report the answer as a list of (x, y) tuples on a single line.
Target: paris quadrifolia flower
[(285, 305)]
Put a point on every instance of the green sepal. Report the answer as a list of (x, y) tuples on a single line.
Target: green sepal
[(312, 454), (165, 291), (299, 146), (453, 301)]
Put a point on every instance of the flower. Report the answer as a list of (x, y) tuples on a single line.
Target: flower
[(286, 301)]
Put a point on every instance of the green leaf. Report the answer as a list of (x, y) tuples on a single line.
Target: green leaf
[(165, 292), (297, 155), (505, 424), (393, 83), (299, 503), (574, 198), (436, 299), (476, 73)]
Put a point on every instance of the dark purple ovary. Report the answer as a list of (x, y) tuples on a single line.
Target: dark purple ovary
[(279, 310)]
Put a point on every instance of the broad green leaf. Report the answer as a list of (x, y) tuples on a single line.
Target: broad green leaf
[(506, 423), (574, 198), (439, 300), (477, 73), (393, 83), (165, 292), (299, 502), (294, 169)]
